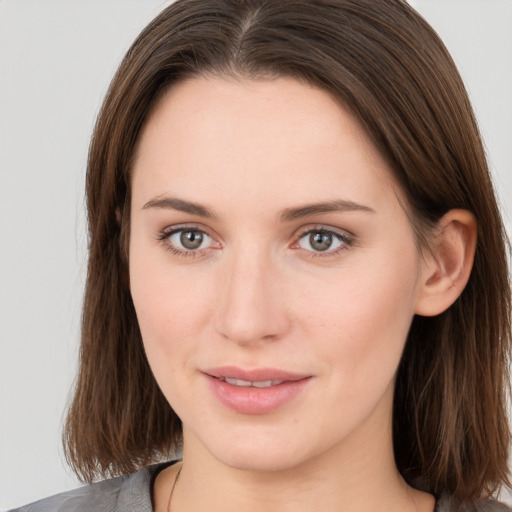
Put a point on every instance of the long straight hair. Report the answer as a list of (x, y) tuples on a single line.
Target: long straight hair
[(388, 67)]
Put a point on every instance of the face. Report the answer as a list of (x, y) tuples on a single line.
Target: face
[(273, 270)]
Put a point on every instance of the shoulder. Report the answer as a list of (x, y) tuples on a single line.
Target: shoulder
[(124, 493), (447, 504)]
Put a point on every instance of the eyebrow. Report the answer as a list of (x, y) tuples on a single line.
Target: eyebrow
[(286, 215), (181, 205), (309, 210)]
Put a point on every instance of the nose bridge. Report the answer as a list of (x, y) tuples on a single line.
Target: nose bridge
[(250, 309)]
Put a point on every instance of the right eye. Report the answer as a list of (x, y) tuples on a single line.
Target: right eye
[(189, 239), (185, 241)]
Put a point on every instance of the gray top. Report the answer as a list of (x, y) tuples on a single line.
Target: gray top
[(125, 493), (133, 492)]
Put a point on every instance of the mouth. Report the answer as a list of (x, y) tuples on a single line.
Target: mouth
[(258, 391), (248, 384), (252, 377)]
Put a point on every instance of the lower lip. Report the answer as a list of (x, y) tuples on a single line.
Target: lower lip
[(252, 400)]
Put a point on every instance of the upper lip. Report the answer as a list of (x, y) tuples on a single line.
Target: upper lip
[(254, 375)]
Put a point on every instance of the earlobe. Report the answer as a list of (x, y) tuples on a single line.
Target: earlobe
[(446, 269)]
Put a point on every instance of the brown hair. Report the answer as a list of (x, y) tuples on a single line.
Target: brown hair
[(389, 68)]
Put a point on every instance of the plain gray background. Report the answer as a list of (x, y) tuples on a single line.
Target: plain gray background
[(56, 59)]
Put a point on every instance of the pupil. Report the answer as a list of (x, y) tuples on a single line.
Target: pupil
[(320, 241), (191, 239)]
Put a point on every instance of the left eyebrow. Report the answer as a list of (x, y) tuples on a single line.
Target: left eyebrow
[(309, 210)]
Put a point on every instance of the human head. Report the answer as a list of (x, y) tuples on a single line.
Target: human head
[(388, 68)]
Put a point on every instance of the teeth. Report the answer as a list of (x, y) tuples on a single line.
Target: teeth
[(264, 384), (247, 383), (238, 382)]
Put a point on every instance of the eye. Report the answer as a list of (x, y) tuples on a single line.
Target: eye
[(187, 241), (322, 241)]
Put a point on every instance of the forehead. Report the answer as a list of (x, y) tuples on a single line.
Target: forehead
[(279, 138), (209, 108)]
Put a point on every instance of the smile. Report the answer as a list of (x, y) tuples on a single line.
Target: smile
[(248, 384), (256, 391)]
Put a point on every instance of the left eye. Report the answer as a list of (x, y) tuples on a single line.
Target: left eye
[(321, 241), (189, 239)]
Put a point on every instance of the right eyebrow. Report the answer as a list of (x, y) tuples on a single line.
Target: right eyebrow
[(180, 205)]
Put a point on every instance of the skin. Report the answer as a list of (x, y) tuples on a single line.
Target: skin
[(256, 294)]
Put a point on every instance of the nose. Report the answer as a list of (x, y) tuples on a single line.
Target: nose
[(252, 306)]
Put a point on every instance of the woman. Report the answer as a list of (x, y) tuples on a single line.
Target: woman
[(297, 270)]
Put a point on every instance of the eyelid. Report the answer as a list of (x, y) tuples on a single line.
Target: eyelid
[(342, 233), (347, 238), (169, 230), (164, 235)]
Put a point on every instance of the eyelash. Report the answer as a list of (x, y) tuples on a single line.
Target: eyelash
[(345, 240), (165, 235)]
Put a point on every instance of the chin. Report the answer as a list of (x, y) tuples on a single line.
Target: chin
[(252, 450), (260, 460)]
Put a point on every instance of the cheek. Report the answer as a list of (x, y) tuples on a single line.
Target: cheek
[(172, 307), (363, 317)]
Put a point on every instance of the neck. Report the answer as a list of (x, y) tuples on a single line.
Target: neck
[(359, 475), (300, 489)]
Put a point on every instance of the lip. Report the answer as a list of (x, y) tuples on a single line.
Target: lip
[(253, 375), (255, 400)]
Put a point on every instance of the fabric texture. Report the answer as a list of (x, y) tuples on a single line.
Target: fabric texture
[(133, 493), (128, 493), (447, 504)]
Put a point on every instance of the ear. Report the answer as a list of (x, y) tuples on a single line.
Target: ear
[(447, 267)]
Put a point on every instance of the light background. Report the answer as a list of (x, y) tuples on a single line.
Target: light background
[(56, 59)]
